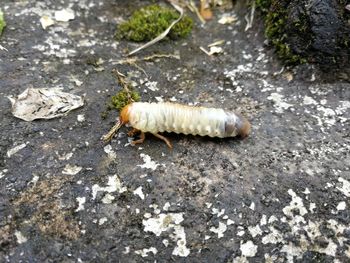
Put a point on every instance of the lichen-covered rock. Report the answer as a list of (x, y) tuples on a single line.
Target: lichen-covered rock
[(316, 31)]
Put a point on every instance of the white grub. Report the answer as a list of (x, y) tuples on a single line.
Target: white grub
[(34, 104), (139, 193), (71, 169), (248, 249), (64, 15), (81, 202), (20, 237), (345, 188), (144, 252), (149, 164), (114, 185), (295, 204), (46, 21), (15, 149), (220, 230)]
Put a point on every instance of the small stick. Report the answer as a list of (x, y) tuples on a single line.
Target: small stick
[(251, 19), (108, 137)]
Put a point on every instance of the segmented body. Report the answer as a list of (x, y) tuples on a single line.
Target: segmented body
[(173, 117)]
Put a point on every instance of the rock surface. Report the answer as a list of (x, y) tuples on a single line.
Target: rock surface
[(280, 195), (318, 31)]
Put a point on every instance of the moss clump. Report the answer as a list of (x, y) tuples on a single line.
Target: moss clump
[(263, 5), (123, 98), (2, 22), (275, 29), (149, 22)]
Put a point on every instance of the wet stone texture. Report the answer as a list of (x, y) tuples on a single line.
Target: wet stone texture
[(281, 195)]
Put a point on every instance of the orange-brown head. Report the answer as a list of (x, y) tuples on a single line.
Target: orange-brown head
[(235, 124), (244, 130), (125, 113)]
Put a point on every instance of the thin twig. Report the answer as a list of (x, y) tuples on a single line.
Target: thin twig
[(108, 137), (148, 58), (194, 9), (164, 34), (251, 19)]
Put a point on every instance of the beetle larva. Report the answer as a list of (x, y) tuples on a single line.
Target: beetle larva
[(173, 117)]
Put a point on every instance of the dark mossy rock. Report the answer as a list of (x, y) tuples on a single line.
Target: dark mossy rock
[(315, 31)]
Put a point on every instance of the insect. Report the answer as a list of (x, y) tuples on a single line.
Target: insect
[(156, 118)]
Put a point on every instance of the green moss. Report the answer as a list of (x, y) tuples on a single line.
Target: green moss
[(149, 22), (275, 29), (122, 98), (2, 22), (263, 5)]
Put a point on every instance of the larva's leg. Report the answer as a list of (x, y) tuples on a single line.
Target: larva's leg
[(164, 139), (139, 141), (133, 132)]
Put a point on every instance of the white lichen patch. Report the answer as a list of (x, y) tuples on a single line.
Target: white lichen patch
[(114, 185), (273, 237), (279, 102), (341, 206), (46, 21), (151, 85), (64, 15), (254, 230), (139, 193), (220, 230), (108, 199), (149, 164), (102, 220), (81, 201), (109, 150), (248, 249), (20, 237), (71, 169), (345, 188), (295, 204), (15, 149), (80, 117), (309, 101), (218, 212), (144, 252), (166, 222)]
